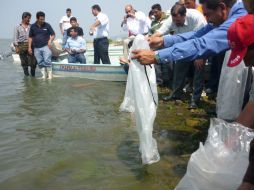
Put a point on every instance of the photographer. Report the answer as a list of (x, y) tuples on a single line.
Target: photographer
[(134, 22)]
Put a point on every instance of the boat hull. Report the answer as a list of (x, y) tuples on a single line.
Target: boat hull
[(90, 71)]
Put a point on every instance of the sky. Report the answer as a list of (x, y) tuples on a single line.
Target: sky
[(11, 11)]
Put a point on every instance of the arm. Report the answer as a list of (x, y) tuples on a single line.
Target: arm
[(16, 35), (140, 16), (52, 36), (61, 28), (165, 27), (15, 40), (30, 41), (97, 23), (170, 40), (210, 44), (67, 47)]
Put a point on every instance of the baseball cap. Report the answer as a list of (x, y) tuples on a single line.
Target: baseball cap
[(240, 36)]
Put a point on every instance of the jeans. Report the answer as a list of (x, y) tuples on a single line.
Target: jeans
[(181, 70), (43, 56), (77, 57), (216, 66), (65, 37), (101, 50)]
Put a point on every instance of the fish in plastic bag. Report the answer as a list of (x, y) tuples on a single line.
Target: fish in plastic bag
[(221, 162), (141, 97)]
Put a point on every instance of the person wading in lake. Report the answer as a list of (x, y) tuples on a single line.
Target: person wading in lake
[(21, 33), (41, 36)]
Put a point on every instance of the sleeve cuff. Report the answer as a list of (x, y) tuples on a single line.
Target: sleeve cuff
[(164, 56)]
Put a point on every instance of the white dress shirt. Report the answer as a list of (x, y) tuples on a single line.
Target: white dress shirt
[(194, 21), (103, 29), (137, 25)]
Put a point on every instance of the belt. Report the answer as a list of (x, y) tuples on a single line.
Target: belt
[(101, 38)]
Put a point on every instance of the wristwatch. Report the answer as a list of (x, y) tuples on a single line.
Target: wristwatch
[(157, 57)]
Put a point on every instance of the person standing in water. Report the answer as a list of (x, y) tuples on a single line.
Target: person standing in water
[(21, 33)]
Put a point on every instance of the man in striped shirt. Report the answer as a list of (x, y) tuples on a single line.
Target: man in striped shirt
[(21, 33)]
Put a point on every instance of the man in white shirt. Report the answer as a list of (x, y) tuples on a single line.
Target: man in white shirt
[(64, 25), (100, 32), (192, 22), (184, 20), (134, 22)]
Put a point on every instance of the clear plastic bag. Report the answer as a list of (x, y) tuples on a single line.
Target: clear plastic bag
[(231, 90), (141, 97), (221, 162)]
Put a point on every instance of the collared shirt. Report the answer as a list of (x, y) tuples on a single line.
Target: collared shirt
[(156, 24), (137, 25), (103, 29), (65, 21), (194, 21), (203, 43), (21, 33), (76, 43), (40, 35)]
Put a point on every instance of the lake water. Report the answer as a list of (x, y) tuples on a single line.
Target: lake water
[(68, 134)]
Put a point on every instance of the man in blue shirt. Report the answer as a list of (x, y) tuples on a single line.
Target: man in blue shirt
[(76, 47), (41, 36), (208, 41)]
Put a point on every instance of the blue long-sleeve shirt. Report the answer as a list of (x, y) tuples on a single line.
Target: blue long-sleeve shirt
[(207, 41)]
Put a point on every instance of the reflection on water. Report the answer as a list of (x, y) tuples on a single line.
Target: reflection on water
[(68, 134)]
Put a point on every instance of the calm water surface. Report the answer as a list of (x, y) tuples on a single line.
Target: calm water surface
[(68, 134)]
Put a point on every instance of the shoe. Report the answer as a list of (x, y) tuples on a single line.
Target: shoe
[(188, 88), (44, 73), (170, 98), (193, 105)]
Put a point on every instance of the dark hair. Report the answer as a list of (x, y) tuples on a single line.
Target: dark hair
[(40, 14), (178, 9), (214, 4), (26, 14), (96, 7), (73, 19), (156, 6), (75, 29), (68, 9), (150, 13)]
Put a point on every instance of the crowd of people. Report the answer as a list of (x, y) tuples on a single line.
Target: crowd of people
[(183, 41)]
